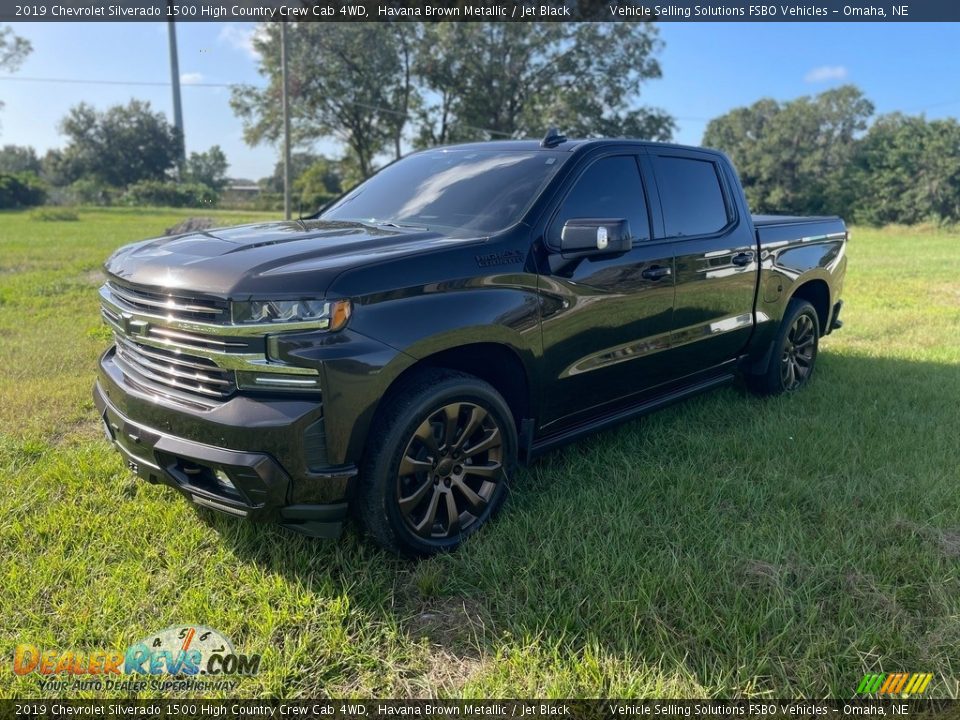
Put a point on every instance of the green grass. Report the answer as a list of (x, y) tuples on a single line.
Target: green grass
[(728, 546)]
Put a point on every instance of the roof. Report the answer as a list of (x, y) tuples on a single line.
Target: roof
[(567, 146)]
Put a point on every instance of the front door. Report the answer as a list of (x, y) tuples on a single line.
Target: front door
[(605, 319)]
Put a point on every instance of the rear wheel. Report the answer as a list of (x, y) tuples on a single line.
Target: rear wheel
[(439, 459), (794, 352)]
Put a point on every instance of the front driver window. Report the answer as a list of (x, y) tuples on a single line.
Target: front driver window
[(610, 188)]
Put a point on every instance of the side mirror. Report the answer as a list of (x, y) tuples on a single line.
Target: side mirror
[(589, 236)]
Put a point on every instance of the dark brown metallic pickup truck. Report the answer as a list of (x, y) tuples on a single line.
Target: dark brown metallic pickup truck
[(461, 311)]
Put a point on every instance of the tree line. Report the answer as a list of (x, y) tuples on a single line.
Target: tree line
[(381, 89), (829, 154)]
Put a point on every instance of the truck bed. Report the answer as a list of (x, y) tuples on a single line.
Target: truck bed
[(769, 220), (778, 230)]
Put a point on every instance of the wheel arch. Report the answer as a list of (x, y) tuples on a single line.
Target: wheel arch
[(816, 291), (498, 364)]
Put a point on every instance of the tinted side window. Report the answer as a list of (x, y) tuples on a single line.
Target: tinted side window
[(610, 188), (690, 195)]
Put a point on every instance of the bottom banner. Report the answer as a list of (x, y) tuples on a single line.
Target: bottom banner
[(480, 709)]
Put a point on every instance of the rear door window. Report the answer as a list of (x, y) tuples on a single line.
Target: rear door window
[(691, 196)]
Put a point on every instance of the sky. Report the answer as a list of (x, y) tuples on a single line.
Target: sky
[(708, 69)]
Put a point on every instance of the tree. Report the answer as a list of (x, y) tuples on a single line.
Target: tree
[(207, 168), (794, 157), (907, 170), (494, 80), (318, 185), (13, 51), (351, 81), (118, 147), (299, 162), (19, 159)]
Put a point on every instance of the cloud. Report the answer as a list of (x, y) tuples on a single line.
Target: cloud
[(826, 73), (191, 78), (240, 38)]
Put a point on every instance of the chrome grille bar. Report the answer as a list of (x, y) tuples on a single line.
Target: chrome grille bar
[(170, 303), (185, 359), (130, 364)]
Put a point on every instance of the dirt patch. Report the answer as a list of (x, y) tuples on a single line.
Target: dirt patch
[(447, 622), (450, 628), (194, 224), (949, 543), (865, 587)]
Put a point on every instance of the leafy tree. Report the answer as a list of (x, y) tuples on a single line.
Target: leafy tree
[(207, 168), (120, 146), (490, 80), (907, 170), (318, 185), (351, 81), (299, 162), (19, 158), (794, 156), (21, 190), (13, 51)]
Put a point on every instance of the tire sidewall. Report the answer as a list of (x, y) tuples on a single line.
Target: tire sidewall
[(420, 403)]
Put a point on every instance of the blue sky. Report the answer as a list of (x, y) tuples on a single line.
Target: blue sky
[(708, 68)]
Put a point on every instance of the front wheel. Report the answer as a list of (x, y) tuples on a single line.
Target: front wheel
[(439, 459), (794, 351)]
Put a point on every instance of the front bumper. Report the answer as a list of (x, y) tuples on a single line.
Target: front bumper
[(248, 458)]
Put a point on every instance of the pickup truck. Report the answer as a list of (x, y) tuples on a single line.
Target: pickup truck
[(465, 309)]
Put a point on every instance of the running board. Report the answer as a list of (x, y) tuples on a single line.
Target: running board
[(566, 436)]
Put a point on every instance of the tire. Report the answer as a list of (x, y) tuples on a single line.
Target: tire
[(794, 353), (439, 457)]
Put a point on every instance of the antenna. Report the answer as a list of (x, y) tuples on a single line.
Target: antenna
[(552, 138)]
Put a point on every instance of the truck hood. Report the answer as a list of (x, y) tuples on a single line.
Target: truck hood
[(267, 259)]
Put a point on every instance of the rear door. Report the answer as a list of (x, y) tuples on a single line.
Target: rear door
[(715, 254), (605, 319)]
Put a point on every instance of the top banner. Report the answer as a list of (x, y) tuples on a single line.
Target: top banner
[(476, 11)]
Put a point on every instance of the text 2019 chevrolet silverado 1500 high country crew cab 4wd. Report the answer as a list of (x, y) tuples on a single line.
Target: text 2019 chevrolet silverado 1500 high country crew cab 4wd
[(462, 310)]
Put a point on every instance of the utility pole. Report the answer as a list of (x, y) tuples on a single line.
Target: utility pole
[(286, 120), (175, 82)]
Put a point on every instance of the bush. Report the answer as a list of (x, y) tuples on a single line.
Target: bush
[(54, 215), (19, 190), (169, 194), (87, 191)]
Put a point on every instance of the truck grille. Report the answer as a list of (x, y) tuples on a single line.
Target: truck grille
[(163, 370), (171, 305)]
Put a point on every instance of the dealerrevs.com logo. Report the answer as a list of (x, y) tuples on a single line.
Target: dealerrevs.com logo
[(180, 657)]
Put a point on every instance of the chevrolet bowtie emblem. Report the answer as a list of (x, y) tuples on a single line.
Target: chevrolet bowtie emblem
[(132, 326)]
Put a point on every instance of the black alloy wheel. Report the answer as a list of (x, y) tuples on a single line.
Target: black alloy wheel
[(440, 455), (450, 470), (799, 352), (793, 355)]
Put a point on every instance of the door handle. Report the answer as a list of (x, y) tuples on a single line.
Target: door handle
[(655, 272), (744, 258)]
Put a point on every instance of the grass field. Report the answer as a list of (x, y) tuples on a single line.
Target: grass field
[(729, 546)]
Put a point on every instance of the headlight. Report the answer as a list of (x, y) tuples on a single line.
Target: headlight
[(329, 315)]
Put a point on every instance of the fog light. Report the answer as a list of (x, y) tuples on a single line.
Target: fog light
[(224, 479)]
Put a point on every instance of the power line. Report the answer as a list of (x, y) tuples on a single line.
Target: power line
[(161, 83), (79, 81)]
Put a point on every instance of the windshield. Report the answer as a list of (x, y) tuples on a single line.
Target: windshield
[(477, 190)]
